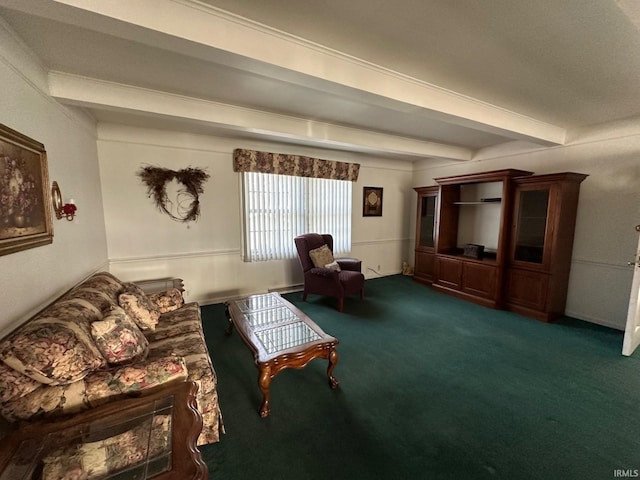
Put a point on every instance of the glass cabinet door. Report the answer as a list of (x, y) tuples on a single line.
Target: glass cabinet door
[(532, 213), (427, 221)]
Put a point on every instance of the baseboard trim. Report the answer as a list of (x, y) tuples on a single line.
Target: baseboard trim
[(590, 319), (290, 289)]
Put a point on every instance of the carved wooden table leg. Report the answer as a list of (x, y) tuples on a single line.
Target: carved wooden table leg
[(264, 381), (333, 361)]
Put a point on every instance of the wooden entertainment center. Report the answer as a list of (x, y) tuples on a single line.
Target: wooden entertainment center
[(502, 239)]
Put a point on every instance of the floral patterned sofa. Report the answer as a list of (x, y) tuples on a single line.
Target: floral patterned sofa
[(101, 341)]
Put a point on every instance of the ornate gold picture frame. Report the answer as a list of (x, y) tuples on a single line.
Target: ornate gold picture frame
[(25, 213)]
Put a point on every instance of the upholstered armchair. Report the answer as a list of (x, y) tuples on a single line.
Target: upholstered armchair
[(338, 277)]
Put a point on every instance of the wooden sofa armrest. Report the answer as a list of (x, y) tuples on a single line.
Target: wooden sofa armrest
[(158, 285), (59, 443)]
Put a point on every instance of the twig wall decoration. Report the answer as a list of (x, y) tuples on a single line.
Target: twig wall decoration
[(193, 179)]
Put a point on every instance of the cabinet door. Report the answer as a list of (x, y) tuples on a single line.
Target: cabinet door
[(426, 224), (479, 279), (532, 225), (424, 266), (449, 272), (528, 289)]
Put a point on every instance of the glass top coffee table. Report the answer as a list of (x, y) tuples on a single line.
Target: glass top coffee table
[(280, 336)]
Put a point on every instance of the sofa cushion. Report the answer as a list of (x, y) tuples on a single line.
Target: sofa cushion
[(14, 385), (46, 400), (110, 455), (95, 389), (333, 266), (133, 288), (56, 347), (140, 309), (167, 301), (104, 282), (78, 310), (176, 323), (104, 385), (99, 299), (164, 302), (192, 347), (321, 256), (118, 338)]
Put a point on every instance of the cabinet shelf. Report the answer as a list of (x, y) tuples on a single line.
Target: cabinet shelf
[(488, 258), (482, 201)]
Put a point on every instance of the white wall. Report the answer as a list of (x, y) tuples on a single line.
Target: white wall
[(31, 278), (144, 243), (608, 210), (480, 224), (383, 243)]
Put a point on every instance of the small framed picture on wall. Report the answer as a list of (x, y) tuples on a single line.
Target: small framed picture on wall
[(372, 202)]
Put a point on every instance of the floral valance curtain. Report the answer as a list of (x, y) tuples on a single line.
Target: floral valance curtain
[(282, 164)]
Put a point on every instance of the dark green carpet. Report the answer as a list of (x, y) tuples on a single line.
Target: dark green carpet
[(431, 387)]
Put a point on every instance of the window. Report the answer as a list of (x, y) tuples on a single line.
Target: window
[(277, 208)]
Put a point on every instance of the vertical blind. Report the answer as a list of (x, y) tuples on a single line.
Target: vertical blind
[(277, 208)]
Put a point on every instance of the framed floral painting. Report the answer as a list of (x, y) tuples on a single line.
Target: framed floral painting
[(25, 215)]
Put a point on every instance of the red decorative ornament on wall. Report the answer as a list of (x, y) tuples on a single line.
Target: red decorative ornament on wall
[(66, 210)]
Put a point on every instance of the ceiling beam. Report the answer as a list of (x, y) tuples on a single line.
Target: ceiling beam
[(199, 30), (94, 93)]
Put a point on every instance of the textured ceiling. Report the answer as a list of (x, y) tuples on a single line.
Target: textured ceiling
[(569, 62), (446, 78)]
